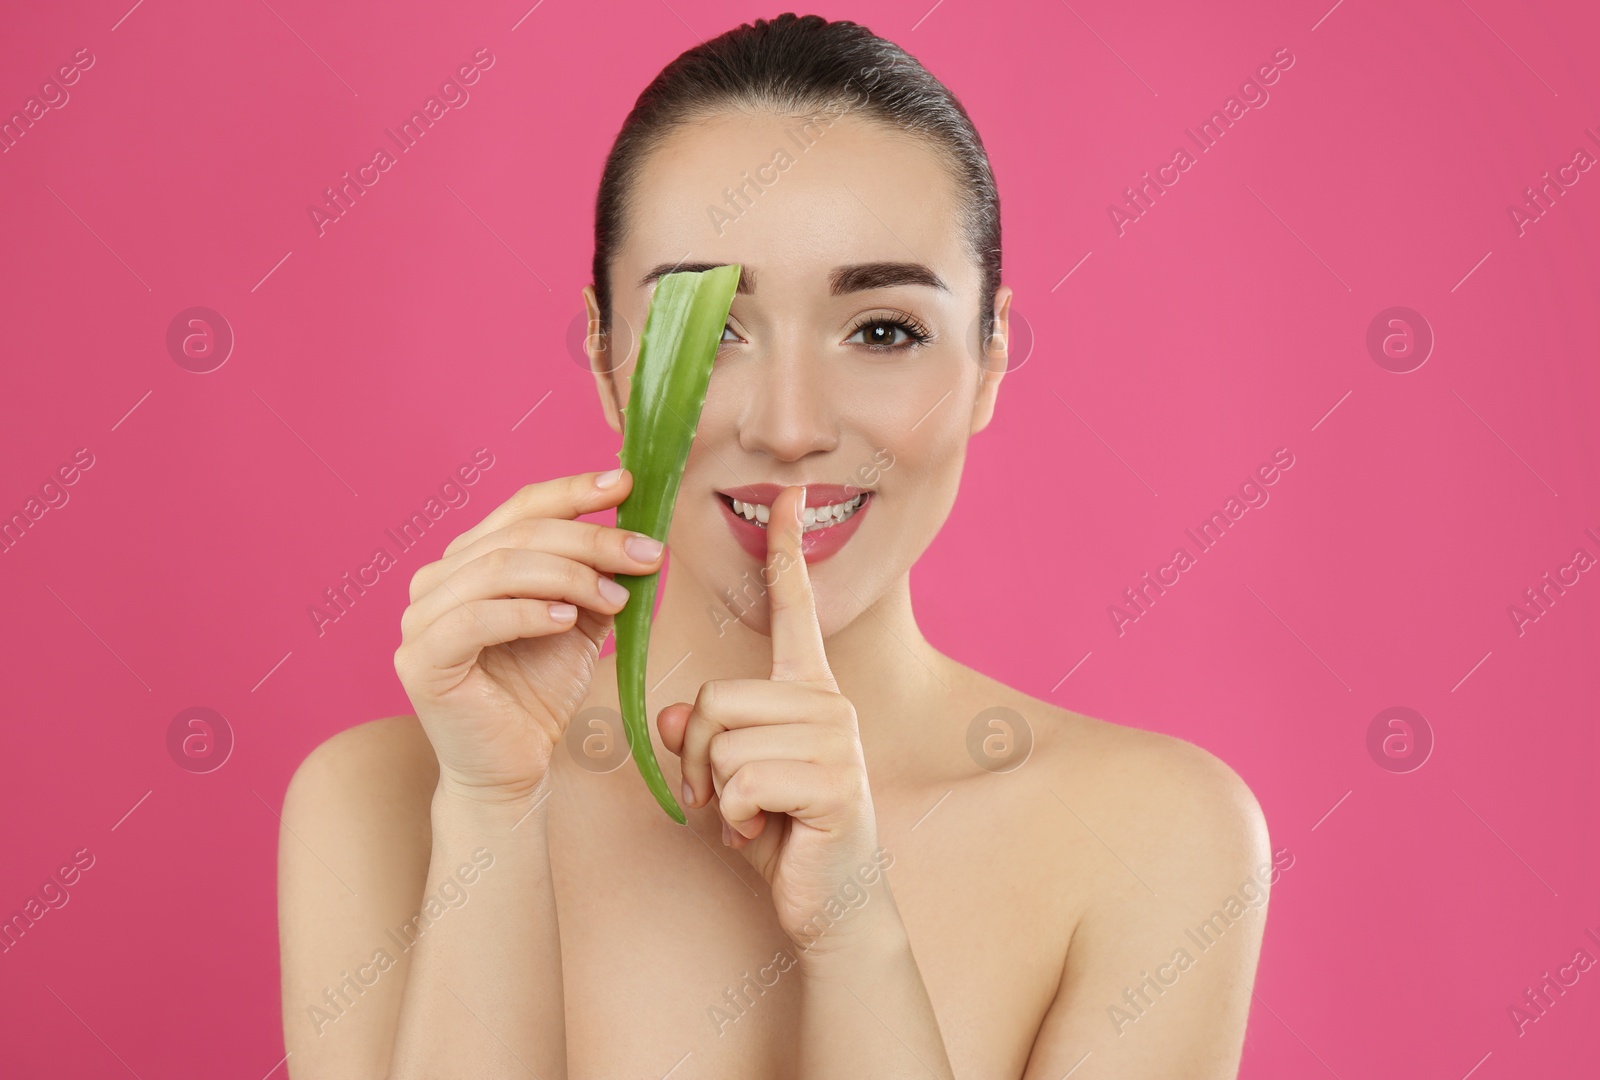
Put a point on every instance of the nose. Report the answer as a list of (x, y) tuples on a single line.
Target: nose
[(790, 412)]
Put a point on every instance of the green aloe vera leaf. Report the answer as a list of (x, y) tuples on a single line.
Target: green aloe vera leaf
[(682, 332)]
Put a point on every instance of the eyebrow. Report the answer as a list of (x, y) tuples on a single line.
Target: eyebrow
[(856, 277)]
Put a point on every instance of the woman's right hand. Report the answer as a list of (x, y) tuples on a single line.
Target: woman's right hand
[(502, 635)]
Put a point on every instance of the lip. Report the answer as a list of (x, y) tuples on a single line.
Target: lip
[(816, 545)]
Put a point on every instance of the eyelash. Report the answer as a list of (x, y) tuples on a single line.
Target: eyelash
[(919, 334)]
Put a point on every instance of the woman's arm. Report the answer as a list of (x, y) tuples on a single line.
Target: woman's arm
[(461, 956), (1159, 972), (483, 994), (398, 962), (864, 1009)]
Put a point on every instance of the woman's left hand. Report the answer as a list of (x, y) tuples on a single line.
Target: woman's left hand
[(782, 756)]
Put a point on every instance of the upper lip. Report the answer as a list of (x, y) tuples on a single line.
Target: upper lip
[(816, 494)]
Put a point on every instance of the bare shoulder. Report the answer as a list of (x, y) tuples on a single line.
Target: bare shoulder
[(358, 813), (353, 856), (380, 765), (1163, 853), (1176, 803)]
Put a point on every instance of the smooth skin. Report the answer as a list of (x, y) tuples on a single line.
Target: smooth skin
[(975, 924)]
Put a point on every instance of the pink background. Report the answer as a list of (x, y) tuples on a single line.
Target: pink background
[(372, 361)]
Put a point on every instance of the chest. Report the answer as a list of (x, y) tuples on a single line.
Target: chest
[(673, 961)]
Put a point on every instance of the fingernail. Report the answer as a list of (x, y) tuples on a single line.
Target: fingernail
[(800, 508), (688, 794), (727, 834), (641, 547), (564, 612), (612, 591), (607, 479)]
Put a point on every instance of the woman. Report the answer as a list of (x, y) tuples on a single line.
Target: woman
[(874, 881)]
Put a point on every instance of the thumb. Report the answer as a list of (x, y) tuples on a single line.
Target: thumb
[(673, 722)]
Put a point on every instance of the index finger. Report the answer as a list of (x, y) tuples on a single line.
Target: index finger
[(797, 651), (563, 497)]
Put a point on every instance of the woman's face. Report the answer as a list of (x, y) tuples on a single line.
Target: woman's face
[(851, 251)]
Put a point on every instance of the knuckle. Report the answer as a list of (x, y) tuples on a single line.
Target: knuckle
[(497, 564), (838, 787), (419, 581), (530, 615), (579, 578), (523, 533), (736, 793), (404, 664), (457, 620), (607, 543), (712, 697), (719, 752)]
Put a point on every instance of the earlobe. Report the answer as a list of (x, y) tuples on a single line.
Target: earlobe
[(605, 380), (994, 359)]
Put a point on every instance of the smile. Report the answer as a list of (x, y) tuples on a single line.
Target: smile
[(815, 517), (833, 514)]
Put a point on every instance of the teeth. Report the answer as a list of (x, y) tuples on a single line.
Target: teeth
[(815, 517)]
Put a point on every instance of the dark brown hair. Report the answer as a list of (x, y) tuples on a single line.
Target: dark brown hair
[(801, 64)]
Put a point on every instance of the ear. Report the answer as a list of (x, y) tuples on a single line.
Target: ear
[(603, 364), (994, 357)]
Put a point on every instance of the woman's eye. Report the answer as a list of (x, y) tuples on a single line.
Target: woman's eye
[(881, 334), (726, 330)]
